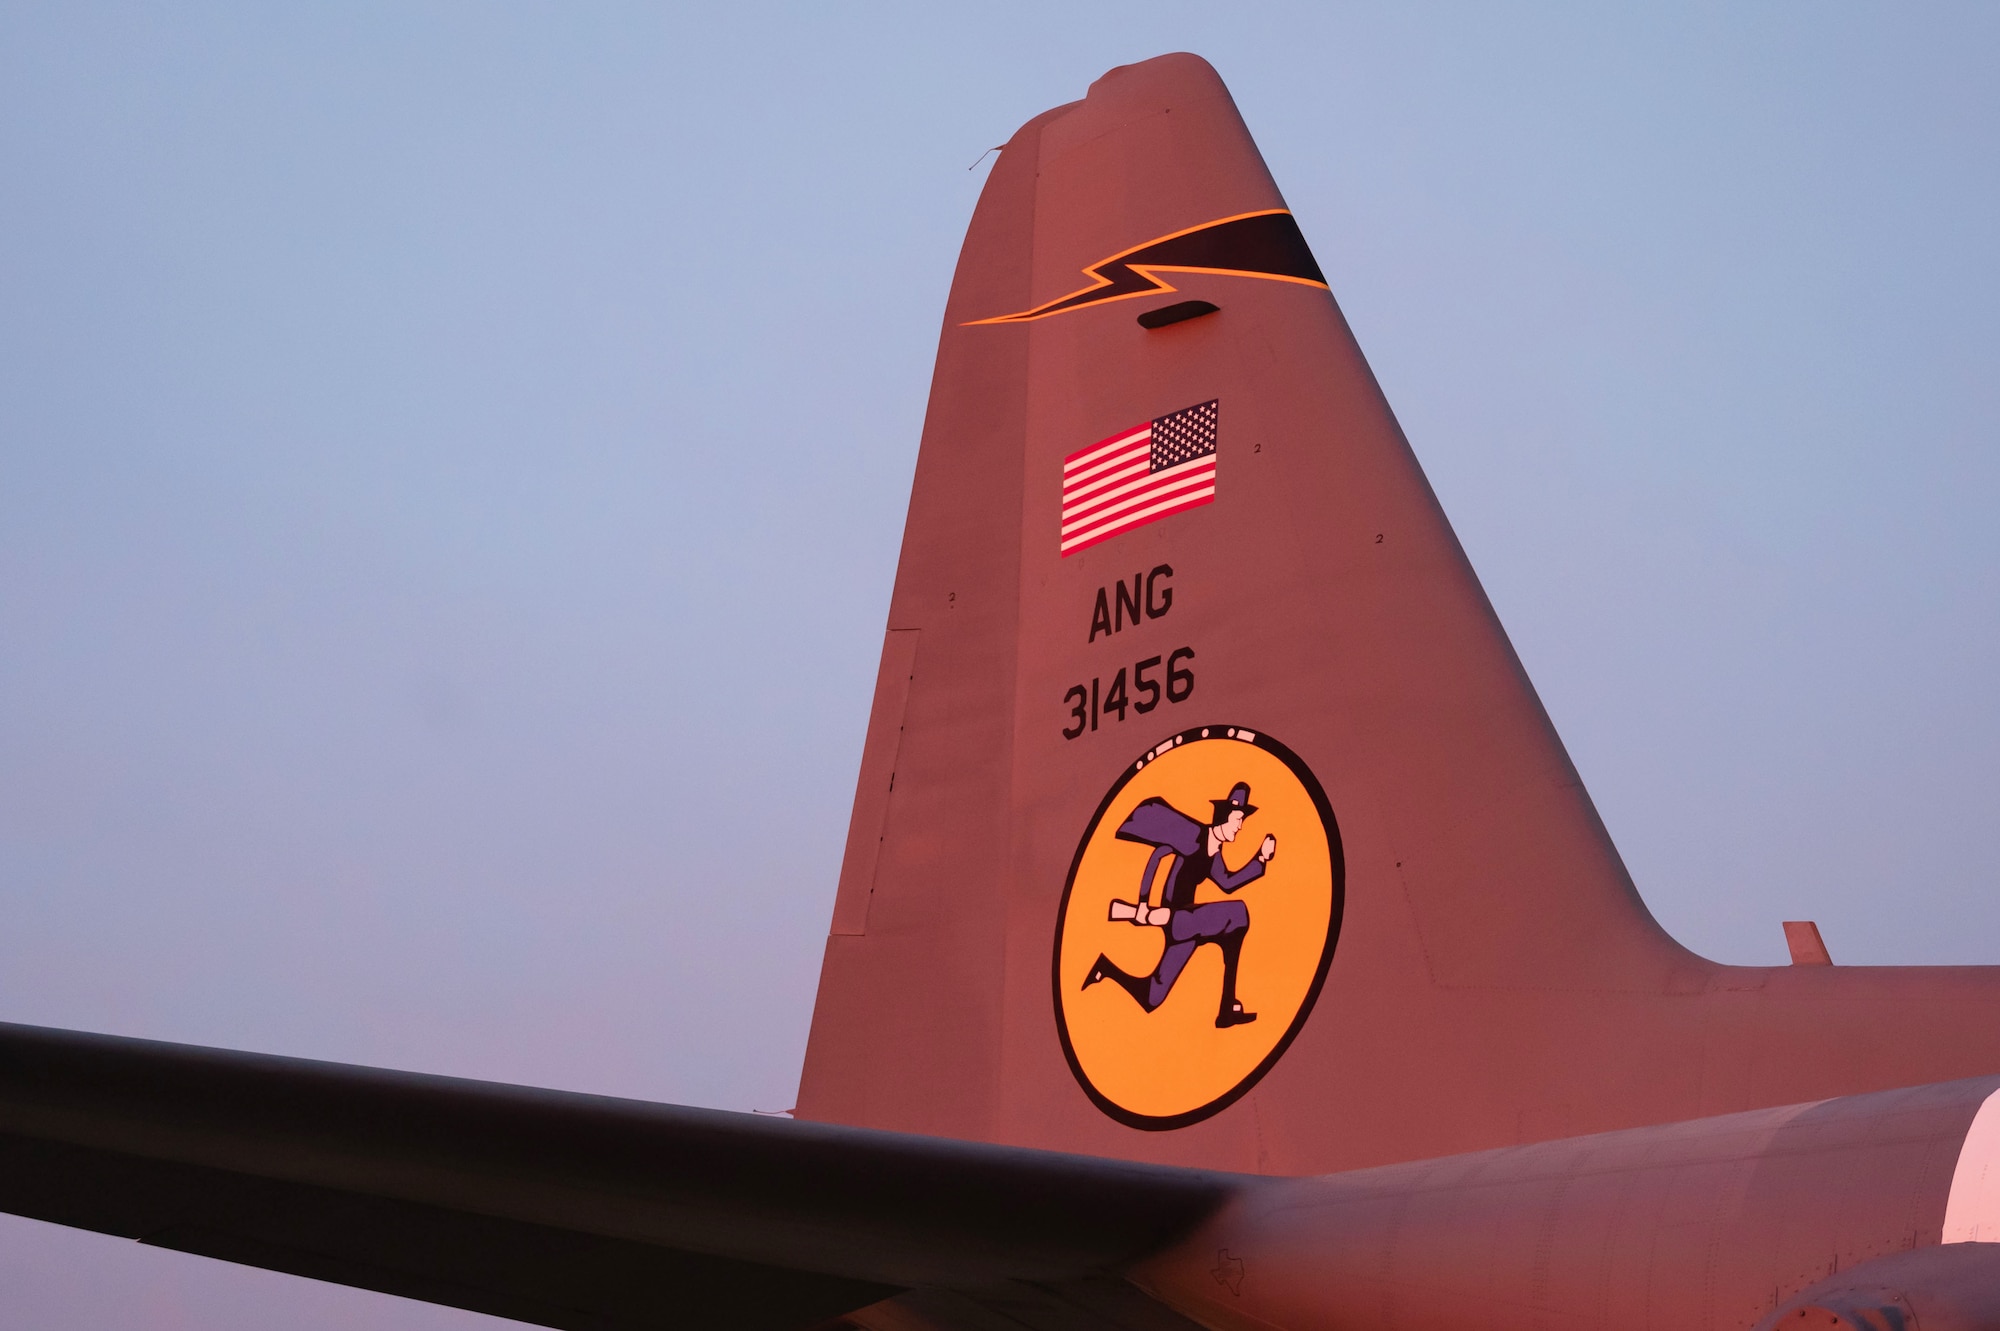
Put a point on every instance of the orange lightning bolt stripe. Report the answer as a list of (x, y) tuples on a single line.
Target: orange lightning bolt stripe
[(1265, 244)]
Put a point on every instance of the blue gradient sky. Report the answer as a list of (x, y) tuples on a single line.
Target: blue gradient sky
[(452, 459)]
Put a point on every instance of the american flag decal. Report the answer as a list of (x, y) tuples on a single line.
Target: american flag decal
[(1138, 476)]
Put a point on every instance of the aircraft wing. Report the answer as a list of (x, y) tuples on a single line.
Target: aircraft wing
[(566, 1210)]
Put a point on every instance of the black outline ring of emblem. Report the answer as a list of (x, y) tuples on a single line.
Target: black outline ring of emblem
[(1337, 872)]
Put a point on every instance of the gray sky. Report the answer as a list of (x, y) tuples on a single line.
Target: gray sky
[(452, 459)]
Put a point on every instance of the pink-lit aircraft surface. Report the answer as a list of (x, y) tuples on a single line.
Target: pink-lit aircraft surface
[(1224, 937)]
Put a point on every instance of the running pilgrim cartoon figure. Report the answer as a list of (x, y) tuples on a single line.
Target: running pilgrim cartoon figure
[(1161, 901), (1223, 923)]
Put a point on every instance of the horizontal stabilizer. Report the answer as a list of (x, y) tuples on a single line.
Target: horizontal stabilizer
[(565, 1210)]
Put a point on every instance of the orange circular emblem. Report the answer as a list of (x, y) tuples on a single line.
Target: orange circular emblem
[(1197, 925)]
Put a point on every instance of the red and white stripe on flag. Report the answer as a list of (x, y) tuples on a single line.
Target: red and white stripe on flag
[(1138, 476)]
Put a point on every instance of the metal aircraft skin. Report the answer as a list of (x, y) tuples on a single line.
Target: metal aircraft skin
[(1224, 937)]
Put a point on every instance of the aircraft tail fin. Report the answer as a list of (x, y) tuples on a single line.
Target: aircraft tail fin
[(1125, 528)]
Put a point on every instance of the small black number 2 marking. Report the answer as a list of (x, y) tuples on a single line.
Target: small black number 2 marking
[(1378, 538)]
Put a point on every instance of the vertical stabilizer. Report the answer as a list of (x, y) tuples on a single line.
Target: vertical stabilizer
[(1206, 814)]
